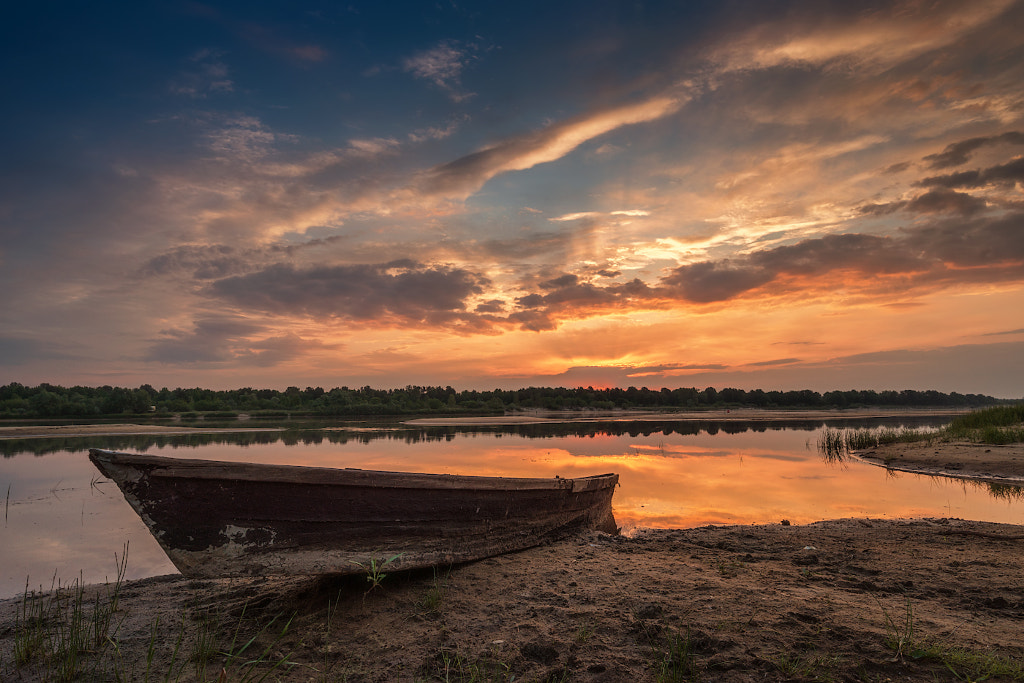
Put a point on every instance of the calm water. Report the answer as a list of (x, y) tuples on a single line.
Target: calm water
[(61, 520)]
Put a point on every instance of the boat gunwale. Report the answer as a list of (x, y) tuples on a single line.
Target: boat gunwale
[(164, 466)]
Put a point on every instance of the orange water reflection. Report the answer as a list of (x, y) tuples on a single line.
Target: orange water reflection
[(60, 525), (677, 480)]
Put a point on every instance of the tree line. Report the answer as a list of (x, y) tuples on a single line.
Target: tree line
[(52, 401)]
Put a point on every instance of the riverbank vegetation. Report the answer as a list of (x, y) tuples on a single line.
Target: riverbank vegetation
[(996, 425), (52, 401)]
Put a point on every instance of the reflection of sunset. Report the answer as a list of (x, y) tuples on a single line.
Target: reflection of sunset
[(676, 480), (667, 480)]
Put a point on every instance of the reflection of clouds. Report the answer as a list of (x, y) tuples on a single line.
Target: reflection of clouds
[(744, 478), (74, 534)]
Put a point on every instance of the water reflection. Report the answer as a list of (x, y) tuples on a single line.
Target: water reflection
[(316, 433), (62, 519)]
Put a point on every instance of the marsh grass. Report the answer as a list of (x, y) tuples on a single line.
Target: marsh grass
[(71, 633), (835, 445), (59, 631), (999, 425), (997, 416), (903, 639)]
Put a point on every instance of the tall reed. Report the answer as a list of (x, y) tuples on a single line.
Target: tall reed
[(59, 630)]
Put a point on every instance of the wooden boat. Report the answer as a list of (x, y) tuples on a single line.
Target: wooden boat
[(218, 519)]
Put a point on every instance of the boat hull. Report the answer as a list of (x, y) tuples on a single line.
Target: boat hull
[(217, 519)]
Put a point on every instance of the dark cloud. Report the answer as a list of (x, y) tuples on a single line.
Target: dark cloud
[(567, 295), (275, 350), (492, 306), (939, 200), (571, 292), (1004, 174), (533, 320), (212, 340), (221, 341), (984, 242), (987, 249), (567, 280), (400, 291), (15, 351), (709, 281), (203, 262), (897, 168), (960, 152), (1006, 332), (778, 361), (216, 261)]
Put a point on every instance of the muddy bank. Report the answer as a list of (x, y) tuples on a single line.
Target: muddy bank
[(982, 462)]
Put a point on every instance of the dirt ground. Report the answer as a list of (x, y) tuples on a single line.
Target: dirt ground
[(830, 601), (842, 600)]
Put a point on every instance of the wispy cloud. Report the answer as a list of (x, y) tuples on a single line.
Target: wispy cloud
[(849, 32), (468, 174), (441, 65), (206, 74)]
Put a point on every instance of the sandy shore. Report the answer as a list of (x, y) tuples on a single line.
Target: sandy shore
[(995, 464), (51, 431), (826, 601)]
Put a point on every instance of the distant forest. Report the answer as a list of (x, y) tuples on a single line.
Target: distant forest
[(49, 401)]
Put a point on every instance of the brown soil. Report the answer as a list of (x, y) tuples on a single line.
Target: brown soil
[(826, 601)]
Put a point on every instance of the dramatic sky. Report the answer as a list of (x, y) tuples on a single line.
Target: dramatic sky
[(748, 193)]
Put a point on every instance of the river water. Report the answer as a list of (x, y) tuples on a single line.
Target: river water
[(63, 521)]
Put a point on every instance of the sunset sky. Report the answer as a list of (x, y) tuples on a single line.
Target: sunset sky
[(751, 194)]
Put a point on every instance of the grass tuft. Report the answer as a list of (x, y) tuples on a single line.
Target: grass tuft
[(679, 662), (69, 634), (966, 665)]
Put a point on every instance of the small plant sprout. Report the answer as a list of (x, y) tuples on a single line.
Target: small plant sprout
[(375, 569)]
